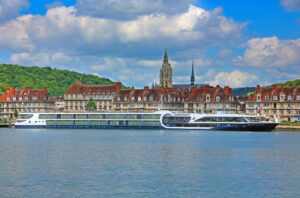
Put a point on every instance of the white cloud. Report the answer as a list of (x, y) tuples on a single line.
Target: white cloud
[(10, 8), (129, 9), (270, 52), (61, 29), (291, 5), (234, 79)]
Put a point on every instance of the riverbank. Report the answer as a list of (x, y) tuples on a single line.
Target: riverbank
[(287, 128)]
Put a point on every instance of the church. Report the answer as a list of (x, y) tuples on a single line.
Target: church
[(166, 77)]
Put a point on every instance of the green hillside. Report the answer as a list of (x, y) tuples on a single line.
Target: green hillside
[(57, 81), (288, 83)]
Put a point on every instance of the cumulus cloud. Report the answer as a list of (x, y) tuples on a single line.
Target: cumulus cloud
[(270, 52), (130, 9), (234, 79), (61, 29), (291, 5), (10, 8)]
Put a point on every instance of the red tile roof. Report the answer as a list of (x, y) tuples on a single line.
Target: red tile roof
[(26, 95), (79, 87), (267, 94)]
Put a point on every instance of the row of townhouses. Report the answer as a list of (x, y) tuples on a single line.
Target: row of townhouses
[(284, 102)]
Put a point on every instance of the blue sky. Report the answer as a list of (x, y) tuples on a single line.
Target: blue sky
[(233, 42)]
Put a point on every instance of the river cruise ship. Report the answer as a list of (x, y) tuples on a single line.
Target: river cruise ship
[(155, 120)]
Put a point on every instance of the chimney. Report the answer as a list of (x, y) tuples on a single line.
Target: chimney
[(45, 90), (118, 86), (193, 90), (27, 89), (205, 88), (13, 91), (227, 90), (281, 88), (258, 89), (218, 86), (273, 87), (7, 90), (146, 89)]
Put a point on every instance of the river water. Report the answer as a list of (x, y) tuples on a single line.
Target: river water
[(126, 163)]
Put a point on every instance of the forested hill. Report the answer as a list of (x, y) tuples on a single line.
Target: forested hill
[(290, 83), (57, 81)]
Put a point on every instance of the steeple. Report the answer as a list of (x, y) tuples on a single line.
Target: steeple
[(166, 60), (193, 75)]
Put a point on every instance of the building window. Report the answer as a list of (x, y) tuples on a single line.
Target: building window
[(8, 98), (118, 98), (151, 98), (125, 98), (282, 98), (198, 98), (132, 99), (289, 97), (139, 99), (258, 97), (34, 98), (289, 112), (281, 112), (26, 98), (266, 98), (145, 98), (274, 97), (218, 98), (298, 97)]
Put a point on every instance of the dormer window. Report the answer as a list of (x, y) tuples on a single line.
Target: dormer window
[(266, 98)]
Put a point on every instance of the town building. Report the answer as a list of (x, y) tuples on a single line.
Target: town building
[(78, 95), (284, 102), (209, 99), (25, 101), (149, 100)]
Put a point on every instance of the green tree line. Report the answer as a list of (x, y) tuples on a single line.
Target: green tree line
[(57, 81)]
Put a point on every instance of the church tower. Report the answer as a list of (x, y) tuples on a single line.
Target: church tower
[(166, 75), (193, 75)]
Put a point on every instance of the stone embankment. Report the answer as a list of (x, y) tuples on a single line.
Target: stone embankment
[(287, 128)]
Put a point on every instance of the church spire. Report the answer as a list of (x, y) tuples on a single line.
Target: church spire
[(193, 75), (166, 59)]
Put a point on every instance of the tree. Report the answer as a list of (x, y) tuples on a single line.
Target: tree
[(16, 113), (91, 106)]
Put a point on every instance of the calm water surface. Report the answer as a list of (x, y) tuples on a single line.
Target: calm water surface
[(124, 163)]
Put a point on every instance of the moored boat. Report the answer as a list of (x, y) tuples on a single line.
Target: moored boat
[(155, 120)]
